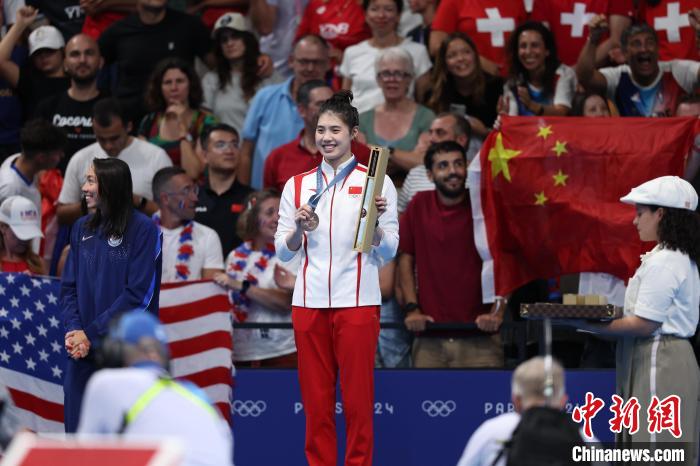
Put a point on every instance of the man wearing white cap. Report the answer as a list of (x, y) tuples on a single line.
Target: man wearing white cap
[(20, 223), (654, 357), (44, 75)]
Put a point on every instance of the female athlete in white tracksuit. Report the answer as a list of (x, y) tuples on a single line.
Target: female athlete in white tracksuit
[(335, 309)]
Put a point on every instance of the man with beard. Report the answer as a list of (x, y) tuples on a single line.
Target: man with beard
[(447, 126), (437, 241), (644, 86), (191, 251), (139, 41), (71, 110)]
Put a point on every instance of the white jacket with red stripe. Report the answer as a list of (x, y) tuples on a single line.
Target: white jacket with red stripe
[(330, 273)]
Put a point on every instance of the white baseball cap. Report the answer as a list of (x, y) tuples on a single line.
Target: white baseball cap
[(22, 216), (234, 21), (45, 37), (665, 191)]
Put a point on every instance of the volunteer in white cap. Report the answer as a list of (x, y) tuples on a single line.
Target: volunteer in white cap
[(654, 356), (20, 223)]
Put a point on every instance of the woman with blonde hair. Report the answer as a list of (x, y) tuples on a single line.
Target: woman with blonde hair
[(259, 288)]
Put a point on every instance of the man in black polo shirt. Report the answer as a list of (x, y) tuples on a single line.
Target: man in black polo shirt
[(221, 197), (139, 41)]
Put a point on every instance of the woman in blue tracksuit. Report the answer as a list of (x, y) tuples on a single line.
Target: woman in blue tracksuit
[(114, 265)]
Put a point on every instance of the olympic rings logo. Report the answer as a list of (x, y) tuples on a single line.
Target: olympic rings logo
[(249, 408), (438, 408)]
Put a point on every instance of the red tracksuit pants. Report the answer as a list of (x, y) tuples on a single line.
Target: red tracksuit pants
[(332, 342)]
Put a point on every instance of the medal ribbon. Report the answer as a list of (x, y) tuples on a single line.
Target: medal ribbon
[(313, 200)]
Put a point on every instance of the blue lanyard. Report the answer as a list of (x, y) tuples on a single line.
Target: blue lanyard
[(313, 200)]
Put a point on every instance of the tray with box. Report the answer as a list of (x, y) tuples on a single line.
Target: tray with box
[(572, 307)]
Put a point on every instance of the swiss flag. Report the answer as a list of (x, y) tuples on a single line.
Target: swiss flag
[(545, 194), (675, 34)]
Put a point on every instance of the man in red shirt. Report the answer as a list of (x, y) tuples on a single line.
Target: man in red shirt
[(437, 241), (301, 154)]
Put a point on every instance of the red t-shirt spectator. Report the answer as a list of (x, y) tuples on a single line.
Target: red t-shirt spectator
[(670, 20), (441, 240), (340, 22), (293, 158), (488, 22), (568, 21)]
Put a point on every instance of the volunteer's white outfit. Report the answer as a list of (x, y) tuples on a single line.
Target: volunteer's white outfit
[(111, 393), (335, 309), (665, 289), (207, 252), (144, 160)]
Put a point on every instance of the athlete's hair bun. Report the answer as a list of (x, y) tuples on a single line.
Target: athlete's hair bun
[(343, 96)]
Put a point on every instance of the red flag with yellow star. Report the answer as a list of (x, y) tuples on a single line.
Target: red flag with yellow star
[(546, 194)]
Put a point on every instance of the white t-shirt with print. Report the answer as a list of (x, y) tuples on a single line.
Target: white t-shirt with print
[(207, 252), (144, 160)]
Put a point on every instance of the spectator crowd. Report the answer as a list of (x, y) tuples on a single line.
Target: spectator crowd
[(213, 107)]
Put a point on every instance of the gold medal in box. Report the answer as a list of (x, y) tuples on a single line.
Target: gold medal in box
[(374, 182)]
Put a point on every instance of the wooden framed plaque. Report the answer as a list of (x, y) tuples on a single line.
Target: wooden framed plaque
[(374, 182)]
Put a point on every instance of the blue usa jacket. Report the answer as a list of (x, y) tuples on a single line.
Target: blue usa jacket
[(104, 277)]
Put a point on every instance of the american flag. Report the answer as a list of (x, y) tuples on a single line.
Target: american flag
[(32, 357), (197, 320)]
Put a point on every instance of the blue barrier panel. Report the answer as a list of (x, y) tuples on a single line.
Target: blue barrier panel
[(422, 417)]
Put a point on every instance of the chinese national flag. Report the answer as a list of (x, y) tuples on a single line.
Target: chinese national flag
[(546, 194)]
